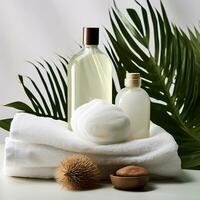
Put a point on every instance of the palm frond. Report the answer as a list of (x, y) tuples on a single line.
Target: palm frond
[(48, 100), (5, 124), (20, 106), (168, 60)]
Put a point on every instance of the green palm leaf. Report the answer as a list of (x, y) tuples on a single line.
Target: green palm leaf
[(48, 101), (20, 106), (5, 124), (169, 63), (55, 87)]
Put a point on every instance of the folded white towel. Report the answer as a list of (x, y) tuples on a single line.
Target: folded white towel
[(31, 172), (101, 122), (33, 156), (43, 142)]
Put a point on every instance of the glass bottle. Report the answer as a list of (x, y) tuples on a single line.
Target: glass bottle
[(89, 73)]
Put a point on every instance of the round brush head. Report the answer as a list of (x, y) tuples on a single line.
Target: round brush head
[(78, 172)]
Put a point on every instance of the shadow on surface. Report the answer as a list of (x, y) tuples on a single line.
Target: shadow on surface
[(149, 187), (182, 178)]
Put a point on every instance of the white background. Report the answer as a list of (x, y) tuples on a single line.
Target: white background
[(32, 29)]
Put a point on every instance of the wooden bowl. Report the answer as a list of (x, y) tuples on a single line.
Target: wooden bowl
[(129, 183)]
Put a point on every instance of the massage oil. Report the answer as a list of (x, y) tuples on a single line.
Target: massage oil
[(89, 73)]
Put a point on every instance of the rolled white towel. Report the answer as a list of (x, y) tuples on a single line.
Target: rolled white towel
[(101, 122)]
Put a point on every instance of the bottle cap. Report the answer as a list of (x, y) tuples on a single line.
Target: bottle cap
[(90, 35), (132, 75), (132, 80)]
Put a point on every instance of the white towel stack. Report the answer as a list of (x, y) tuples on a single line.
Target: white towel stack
[(36, 146)]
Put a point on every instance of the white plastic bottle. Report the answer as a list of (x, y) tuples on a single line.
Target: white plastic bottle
[(135, 102)]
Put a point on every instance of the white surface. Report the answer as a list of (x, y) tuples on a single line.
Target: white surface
[(34, 29), (184, 188)]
